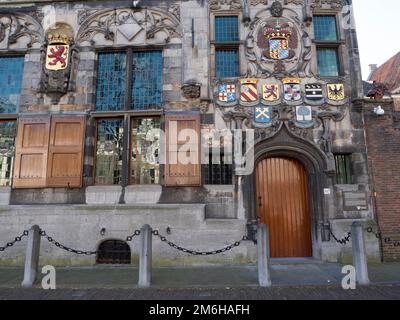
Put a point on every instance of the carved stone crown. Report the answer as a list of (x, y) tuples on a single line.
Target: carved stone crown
[(58, 38)]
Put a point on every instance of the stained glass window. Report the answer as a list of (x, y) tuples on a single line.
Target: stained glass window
[(109, 153), (145, 134), (226, 63), (147, 75), (7, 151), (11, 73), (328, 64), (226, 28), (325, 28), (111, 77)]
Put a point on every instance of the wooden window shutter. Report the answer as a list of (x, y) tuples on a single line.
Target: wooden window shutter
[(66, 145), (176, 172), (31, 152)]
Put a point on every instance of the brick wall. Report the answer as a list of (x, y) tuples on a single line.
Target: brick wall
[(383, 141)]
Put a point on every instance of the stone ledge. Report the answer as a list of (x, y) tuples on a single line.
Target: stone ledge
[(5, 195), (144, 194), (103, 195)]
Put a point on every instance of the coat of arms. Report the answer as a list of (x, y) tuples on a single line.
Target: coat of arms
[(271, 92), (314, 92), (281, 41), (292, 89), (263, 115), (336, 91), (227, 93), (304, 117), (57, 53), (248, 90)]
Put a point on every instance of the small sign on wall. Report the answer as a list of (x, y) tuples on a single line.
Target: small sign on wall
[(355, 201), (327, 191)]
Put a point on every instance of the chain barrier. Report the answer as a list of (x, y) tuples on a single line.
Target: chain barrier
[(135, 234), (386, 240), (61, 246), (16, 239), (342, 241), (199, 253)]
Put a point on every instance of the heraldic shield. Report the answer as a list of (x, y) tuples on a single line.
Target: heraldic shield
[(227, 93), (271, 92), (248, 90), (263, 115), (57, 56), (279, 48)]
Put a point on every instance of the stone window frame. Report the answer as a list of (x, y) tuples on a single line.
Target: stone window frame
[(13, 117), (338, 45), (237, 45), (126, 114)]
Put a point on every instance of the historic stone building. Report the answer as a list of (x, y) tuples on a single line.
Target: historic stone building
[(96, 98)]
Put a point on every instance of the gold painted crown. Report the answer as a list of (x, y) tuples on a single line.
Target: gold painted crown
[(277, 32), (291, 81), (249, 81), (58, 38)]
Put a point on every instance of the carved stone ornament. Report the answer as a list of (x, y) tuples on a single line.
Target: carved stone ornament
[(144, 26), (20, 30), (59, 61), (279, 46), (191, 90), (327, 4), (276, 9), (216, 5)]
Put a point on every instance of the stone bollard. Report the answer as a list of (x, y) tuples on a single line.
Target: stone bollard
[(359, 253), (264, 277), (32, 257), (145, 256)]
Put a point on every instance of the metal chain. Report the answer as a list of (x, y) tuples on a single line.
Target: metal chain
[(342, 241), (199, 253), (16, 239), (61, 246), (386, 240), (135, 234)]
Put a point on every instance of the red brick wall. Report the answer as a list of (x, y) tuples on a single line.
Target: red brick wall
[(383, 141)]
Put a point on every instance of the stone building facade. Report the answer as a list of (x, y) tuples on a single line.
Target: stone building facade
[(96, 88)]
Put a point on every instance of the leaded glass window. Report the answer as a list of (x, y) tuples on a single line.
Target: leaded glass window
[(226, 46), (109, 151), (226, 28), (145, 139), (328, 64), (343, 168), (11, 73), (7, 151), (325, 28), (227, 63), (217, 172), (147, 75), (111, 77)]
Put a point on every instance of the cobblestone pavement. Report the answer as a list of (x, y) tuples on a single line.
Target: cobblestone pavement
[(384, 292)]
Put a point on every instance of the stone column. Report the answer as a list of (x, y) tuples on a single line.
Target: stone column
[(145, 256), (264, 277), (359, 253), (32, 257)]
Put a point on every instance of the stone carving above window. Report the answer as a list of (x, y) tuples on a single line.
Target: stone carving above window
[(128, 26), (20, 30), (216, 5), (327, 4)]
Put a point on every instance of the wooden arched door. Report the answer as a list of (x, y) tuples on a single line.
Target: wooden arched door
[(282, 202)]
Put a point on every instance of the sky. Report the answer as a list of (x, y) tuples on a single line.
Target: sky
[(378, 28)]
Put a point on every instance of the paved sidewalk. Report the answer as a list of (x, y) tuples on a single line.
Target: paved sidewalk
[(283, 274)]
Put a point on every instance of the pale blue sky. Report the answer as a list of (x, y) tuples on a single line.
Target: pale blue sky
[(378, 29)]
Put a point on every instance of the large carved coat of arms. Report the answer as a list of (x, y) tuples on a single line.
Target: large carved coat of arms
[(279, 41)]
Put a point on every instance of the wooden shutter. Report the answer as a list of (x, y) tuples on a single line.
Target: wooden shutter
[(176, 172), (65, 161), (31, 152)]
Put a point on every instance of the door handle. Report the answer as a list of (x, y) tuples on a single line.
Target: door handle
[(260, 202)]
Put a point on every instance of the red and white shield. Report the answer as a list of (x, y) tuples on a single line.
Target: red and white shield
[(248, 91)]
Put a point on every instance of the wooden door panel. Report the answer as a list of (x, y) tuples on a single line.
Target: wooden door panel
[(282, 198), (178, 172), (31, 152), (65, 163)]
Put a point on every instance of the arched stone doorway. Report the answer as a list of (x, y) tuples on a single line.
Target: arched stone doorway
[(285, 144)]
